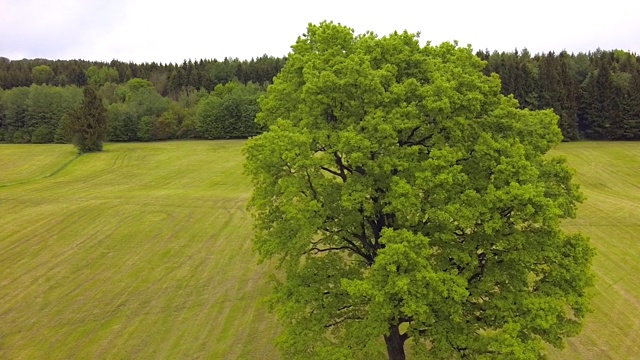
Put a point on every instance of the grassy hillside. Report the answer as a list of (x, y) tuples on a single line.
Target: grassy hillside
[(143, 251), (19, 163), (610, 176)]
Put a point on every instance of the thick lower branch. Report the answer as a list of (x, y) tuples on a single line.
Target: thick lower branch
[(316, 250), (356, 249), (341, 165), (333, 172)]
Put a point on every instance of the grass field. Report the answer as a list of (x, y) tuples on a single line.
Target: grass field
[(27, 163), (143, 251), (610, 176)]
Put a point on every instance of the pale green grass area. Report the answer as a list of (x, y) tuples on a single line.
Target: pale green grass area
[(19, 163), (141, 251), (610, 176)]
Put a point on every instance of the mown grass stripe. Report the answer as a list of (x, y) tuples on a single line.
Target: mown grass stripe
[(143, 251)]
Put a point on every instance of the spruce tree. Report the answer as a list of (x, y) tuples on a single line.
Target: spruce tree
[(529, 86), (555, 90), (88, 123), (597, 102), (568, 99)]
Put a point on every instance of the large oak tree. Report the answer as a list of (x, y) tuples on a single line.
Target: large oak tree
[(406, 199)]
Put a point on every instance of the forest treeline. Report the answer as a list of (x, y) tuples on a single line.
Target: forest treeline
[(595, 94), (168, 79), (205, 99)]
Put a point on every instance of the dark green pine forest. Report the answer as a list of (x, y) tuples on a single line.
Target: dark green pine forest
[(596, 95)]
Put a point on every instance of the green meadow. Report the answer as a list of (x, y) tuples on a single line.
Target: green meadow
[(141, 251), (144, 251), (609, 173)]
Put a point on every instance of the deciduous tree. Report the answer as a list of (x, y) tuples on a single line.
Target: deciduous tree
[(42, 74), (229, 111), (406, 199)]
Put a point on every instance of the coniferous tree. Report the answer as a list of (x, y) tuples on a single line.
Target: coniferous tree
[(89, 122), (555, 93), (527, 93), (62, 134), (15, 114), (633, 122), (549, 84), (579, 67), (564, 82), (509, 77), (568, 99), (597, 102)]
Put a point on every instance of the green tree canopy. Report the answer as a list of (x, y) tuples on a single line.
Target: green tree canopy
[(407, 199), (142, 98), (16, 114), (88, 123), (134, 102), (229, 111), (42, 74), (100, 76), (599, 118), (123, 123), (46, 106)]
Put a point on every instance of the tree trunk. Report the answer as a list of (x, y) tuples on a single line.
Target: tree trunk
[(395, 344)]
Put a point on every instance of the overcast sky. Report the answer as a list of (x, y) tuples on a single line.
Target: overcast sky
[(170, 31)]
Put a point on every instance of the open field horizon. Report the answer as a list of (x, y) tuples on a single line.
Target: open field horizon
[(144, 251)]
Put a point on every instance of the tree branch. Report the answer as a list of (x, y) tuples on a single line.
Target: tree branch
[(333, 172), (340, 321), (411, 134), (368, 257), (482, 260), (289, 167), (422, 141), (344, 235), (363, 232), (313, 190), (341, 166), (473, 151), (376, 227), (315, 250), (506, 212), (404, 337)]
